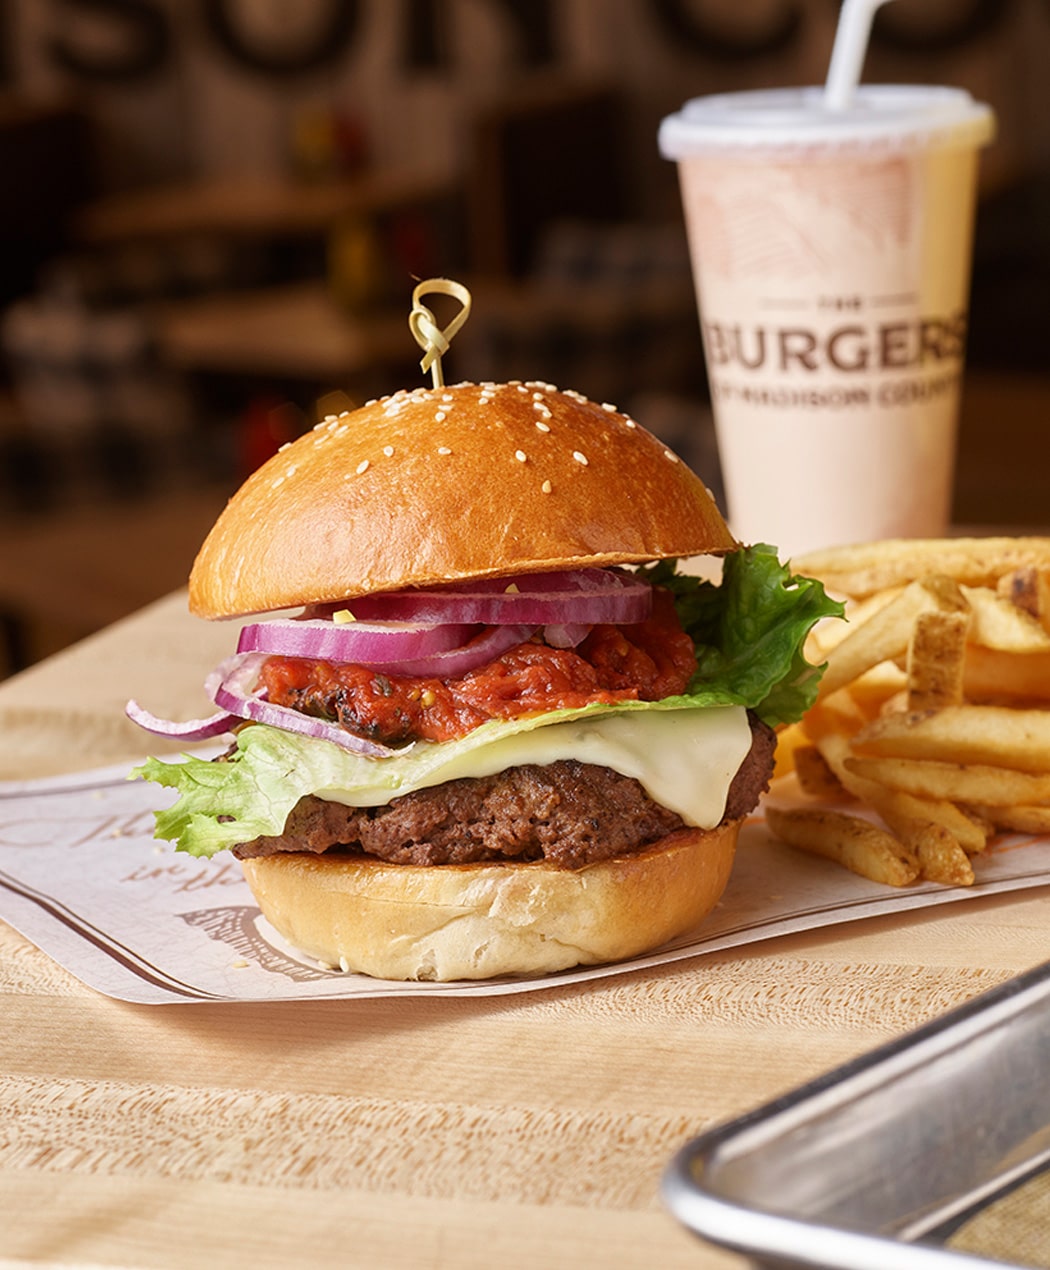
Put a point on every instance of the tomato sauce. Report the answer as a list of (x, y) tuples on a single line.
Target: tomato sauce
[(644, 661)]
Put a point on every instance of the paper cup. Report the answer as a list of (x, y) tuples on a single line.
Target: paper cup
[(831, 253)]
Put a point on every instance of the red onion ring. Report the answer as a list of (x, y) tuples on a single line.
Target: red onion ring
[(364, 643), (430, 643), (191, 730), (576, 597), (231, 685), (483, 648), (235, 691)]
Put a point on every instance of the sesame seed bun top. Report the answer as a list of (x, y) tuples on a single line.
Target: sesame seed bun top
[(441, 484)]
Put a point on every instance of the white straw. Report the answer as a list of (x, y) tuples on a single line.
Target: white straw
[(847, 55)]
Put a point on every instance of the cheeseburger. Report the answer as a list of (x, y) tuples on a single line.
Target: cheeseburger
[(484, 726)]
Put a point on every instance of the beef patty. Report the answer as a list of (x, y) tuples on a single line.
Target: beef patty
[(567, 813)]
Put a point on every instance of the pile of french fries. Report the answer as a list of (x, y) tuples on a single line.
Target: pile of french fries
[(931, 732)]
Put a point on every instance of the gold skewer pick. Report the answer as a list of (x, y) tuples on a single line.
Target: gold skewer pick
[(428, 335)]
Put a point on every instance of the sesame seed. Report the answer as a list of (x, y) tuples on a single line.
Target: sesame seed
[(446, 396), (520, 455), (543, 427), (388, 450), (443, 449), (330, 418), (281, 449), (630, 423), (546, 487), (362, 466), (580, 458), (372, 401), (669, 454), (520, 387), (537, 396), (279, 481), (608, 407), (440, 417)]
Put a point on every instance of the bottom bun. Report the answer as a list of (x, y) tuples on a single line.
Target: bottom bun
[(480, 921)]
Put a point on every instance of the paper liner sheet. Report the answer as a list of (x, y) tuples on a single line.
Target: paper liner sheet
[(82, 877)]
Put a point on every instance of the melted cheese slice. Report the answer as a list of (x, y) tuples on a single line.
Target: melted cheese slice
[(684, 759)]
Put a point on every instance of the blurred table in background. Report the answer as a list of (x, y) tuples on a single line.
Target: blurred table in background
[(70, 574), (296, 331), (253, 206)]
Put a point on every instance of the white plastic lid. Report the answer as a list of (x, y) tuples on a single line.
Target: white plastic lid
[(893, 115)]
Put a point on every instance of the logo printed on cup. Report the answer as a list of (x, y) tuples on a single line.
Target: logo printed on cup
[(831, 255)]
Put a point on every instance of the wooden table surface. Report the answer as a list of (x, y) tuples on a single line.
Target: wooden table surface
[(525, 1131)]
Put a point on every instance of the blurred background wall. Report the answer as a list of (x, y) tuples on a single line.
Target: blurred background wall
[(213, 211), (179, 89)]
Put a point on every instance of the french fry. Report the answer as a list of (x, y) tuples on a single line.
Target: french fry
[(910, 818), (1018, 819), (880, 689), (934, 709), (955, 782), (869, 567), (993, 677), (1029, 589), (832, 631), (835, 750), (815, 777), (936, 652), (886, 635), (851, 841), (942, 859), (789, 738), (999, 623), (838, 715), (993, 735)]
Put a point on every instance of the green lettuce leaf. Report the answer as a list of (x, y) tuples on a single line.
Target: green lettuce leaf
[(253, 790), (748, 629)]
